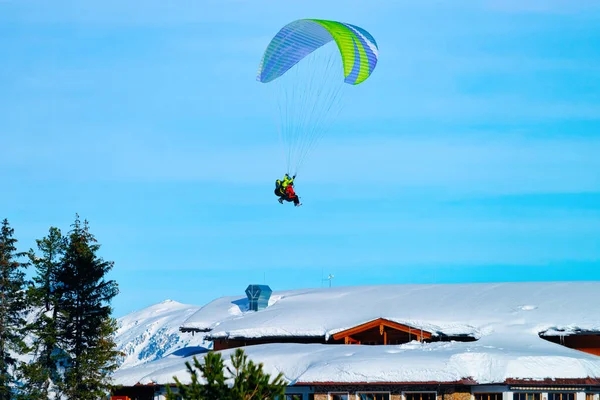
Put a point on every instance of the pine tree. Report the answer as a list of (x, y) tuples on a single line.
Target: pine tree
[(213, 372), (250, 382), (42, 372), (12, 308), (84, 323)]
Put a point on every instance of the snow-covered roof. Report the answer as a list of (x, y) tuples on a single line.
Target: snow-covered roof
[(408, 363), (505, 317), (452, 309)]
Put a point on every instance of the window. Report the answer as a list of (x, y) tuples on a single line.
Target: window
[(561, 396), (527, 396), (293, 396), (423, 396), (488, 396), (373, 396), (339, 396)]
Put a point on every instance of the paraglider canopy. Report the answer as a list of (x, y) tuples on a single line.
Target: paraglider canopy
[(298, 39), (309, 74)]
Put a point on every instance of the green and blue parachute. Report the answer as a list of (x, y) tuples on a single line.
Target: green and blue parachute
[(307, 71), (298, 39)]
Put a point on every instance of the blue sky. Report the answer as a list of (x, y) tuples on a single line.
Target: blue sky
[(471, 153)]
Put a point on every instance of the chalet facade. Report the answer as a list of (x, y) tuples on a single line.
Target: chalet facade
[(465, 390), (377, 332), (413, 342)]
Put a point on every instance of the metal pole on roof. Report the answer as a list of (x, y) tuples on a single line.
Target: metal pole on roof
[(329, 278)]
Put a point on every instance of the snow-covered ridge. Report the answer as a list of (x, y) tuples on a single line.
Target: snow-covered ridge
[(153, 333)]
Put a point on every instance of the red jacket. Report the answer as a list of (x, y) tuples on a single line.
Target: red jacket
[(289, 191)]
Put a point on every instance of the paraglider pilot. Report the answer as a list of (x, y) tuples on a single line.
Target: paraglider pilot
[(284, 189)]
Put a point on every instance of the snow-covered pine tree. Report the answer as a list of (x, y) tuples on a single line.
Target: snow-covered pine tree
[(12, 308), (84, 322), (42, 372)]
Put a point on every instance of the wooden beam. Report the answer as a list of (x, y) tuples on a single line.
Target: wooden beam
[(381, 322), (357, 329), (350, 340), (593, 350)]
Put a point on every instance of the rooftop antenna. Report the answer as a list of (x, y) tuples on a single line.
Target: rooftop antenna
[(329, 278)]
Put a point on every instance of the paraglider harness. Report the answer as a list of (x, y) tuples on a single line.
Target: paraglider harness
[(279, 190), (282, 192)]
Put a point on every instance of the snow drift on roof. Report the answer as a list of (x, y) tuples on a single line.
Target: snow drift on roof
[(451, 309), (411, 362)]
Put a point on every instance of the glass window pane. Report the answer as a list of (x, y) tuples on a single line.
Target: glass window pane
[(493, 396), (373, 396), (339, 396)]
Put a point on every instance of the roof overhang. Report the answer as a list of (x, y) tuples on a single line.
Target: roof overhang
[(266, 337), (186, 329), (515, 384), (552, 381), (459, 382)]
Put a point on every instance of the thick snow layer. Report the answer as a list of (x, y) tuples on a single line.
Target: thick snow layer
[(505, 317), (411, 362), (153, 333), (473, 309)]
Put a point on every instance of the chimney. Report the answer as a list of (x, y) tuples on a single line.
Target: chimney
[(258, 296)]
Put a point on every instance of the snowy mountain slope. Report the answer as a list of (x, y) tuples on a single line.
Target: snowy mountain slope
[(153, 333)]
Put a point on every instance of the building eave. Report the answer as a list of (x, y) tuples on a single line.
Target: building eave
[(553, 381), (194, 330), (469, 381), (279, 337), (415, 383)]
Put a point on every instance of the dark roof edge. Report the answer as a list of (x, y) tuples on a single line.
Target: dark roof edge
[(224, 336), (466, 381), (186, 329), (469, 381), (570, 332), (554, 381), (271, 337)]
